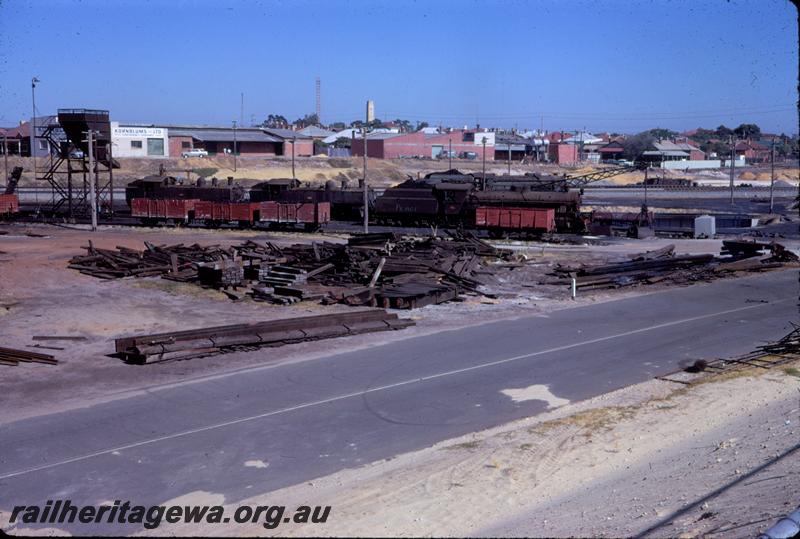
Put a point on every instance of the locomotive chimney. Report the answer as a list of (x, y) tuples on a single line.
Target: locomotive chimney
[(214, 181), (230, 181)]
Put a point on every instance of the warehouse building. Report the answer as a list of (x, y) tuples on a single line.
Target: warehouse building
[(463, 143), (250, 141), (139, 141)]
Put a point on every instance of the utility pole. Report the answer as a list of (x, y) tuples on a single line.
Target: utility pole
[(34, 80), (92, 180), (771, 180), (733, 158), (645, 187), (366, 195), (509, 158), (234, 145), (483, 176), (241, 111), (450, 153), (5, 153), (294, 140)]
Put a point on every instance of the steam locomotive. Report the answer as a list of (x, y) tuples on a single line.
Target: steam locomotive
[(527, 204)]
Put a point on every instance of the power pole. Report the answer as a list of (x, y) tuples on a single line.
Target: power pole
[(771, 180), (92, 180), (509, 158), (366, 195), (241, 111), (483, 177), (294, 140), (234, 145), (319, 101), (450, 153), (733, 158), (34, 80), (5, 153)]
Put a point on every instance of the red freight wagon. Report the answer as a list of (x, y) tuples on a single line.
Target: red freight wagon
[(225, 211), (527, 219), (243, 211), (9, 204), (178, 208), (309, 214), (140, 207), (162, 209)]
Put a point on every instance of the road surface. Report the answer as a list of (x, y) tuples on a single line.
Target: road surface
[(309, 419)]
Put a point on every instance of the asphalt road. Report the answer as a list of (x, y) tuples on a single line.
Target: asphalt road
[(313, 418)]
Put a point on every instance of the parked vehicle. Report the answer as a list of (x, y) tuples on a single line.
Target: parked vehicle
[(468, 155), (194, 152)]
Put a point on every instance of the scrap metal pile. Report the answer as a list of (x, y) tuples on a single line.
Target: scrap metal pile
[(204, 341), (384, 270), (664, 265)]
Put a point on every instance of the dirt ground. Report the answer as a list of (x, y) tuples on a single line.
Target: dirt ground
[(581, 469), (39, 295)]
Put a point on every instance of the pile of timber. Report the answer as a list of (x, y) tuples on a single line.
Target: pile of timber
[(12, 357), (204, 341), (178, 262), (664, 265), (386, 270)]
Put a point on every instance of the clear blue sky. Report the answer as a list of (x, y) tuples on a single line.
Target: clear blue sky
[(617, 65)]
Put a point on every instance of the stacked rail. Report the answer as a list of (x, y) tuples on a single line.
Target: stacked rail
[(203, 341)]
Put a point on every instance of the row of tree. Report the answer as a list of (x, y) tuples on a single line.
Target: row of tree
[(709, 140), (277, 121)]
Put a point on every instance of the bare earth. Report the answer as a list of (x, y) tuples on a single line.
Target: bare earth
[(647, 456)]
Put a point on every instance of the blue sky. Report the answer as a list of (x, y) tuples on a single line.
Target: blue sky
[(617, 65)]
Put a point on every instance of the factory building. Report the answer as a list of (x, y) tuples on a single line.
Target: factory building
[(139, 141), (250, 141), (463, 143)]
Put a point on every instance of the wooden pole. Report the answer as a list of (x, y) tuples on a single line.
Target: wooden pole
[(92, 182)]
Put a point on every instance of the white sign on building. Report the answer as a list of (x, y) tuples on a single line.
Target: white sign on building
[(136, 141)]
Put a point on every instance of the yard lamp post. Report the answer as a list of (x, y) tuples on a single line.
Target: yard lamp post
[(34, 80), (484, 165), (234, 145)]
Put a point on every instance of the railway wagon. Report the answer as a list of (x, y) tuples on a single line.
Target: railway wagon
[(163, 209), (501, 219), (310, 215), (9, 204), (243, 213)]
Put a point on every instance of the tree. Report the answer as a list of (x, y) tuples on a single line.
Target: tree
[(724, 132), (307, 120), (338, 126), (422, 125), (342, 142), (275, 121), (635, 145), (660, 133), (748, 131), (376, 124), (405, 125)]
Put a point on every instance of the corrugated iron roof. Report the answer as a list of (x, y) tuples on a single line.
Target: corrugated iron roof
[(222, 135)]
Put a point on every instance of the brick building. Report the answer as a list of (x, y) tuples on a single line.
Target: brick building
[(463, 143)]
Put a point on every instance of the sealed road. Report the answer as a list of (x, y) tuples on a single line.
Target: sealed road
[(308, 419)]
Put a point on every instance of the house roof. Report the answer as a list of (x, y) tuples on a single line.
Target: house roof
[(666, 153), (222, 134), (316, 131), (284, 134), (383, 136)]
